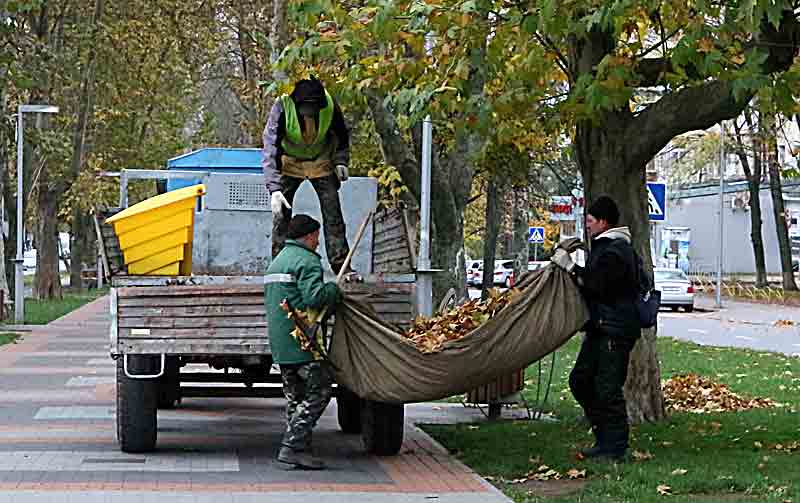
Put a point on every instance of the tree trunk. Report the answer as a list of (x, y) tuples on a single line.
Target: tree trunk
[(601, 157), (10, 209), (4, 160), (278, 40), (451, 180), (80, 253), (47, 284), (519, 247), (48, 279), (493, 215), (778, 208), (753, 176)]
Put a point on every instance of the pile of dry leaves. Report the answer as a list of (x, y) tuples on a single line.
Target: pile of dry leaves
[(429, 334), (694, 393)]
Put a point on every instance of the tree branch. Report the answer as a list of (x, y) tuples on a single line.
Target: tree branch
[(561, 61), (396, 151), (700, 107), (689, 109)]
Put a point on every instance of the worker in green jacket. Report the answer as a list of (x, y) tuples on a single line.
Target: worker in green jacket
[(295, 276)]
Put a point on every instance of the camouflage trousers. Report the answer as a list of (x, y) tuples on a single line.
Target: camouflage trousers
[(308, 388), (327, 189)]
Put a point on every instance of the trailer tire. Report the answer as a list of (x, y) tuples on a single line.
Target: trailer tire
[(382, 427), (169, 385), (348, 410), (136, 407)]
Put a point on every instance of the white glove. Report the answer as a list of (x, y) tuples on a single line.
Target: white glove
[(277, 203), (562, 259), (341, 172), (353, 277)]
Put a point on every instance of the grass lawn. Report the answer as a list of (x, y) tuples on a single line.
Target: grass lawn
[(43, 312), (6, 338), (729, 456)]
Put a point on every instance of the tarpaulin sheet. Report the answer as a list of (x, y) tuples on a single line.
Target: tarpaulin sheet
[(376, 362)]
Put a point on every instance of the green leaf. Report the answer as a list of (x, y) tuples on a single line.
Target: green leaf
[(775, 12), (469, 6), (529, 24)]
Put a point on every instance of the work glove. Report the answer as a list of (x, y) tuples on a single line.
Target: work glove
[(352, 277), (562, 259), (277, 203), (341, 172)]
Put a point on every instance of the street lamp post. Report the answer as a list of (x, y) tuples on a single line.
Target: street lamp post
[(721, 210), (19, 286)]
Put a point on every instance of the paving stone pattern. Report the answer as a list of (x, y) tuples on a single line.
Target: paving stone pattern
[(57, 439)]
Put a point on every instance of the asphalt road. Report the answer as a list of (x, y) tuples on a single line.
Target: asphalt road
[(737, 324)]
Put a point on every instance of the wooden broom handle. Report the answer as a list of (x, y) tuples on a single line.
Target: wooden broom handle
[(352, 251)]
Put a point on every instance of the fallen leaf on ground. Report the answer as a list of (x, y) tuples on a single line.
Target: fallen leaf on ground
[(574, 473), (787, 448), (700, 395), (680, 471), (542, 473), (641, 456), (664, 490)]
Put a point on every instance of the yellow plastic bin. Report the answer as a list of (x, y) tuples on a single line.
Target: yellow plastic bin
[(155, 236)]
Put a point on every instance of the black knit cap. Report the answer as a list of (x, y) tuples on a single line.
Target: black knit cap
[(301, 226), (309, 91), (604, 208)]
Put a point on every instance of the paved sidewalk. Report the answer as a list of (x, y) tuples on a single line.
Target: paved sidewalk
[(57, 439)]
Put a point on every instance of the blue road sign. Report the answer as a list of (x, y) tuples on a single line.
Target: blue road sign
[(536, 234), (657, 201)]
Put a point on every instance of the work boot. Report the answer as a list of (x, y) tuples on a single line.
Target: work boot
[(297, 460), (598, 447), (614, 445)]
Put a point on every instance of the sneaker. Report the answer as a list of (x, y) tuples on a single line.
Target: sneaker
[(294, 460)]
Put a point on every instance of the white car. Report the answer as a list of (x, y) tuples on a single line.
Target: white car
[(676, 289), (504, 273), (535, 265), (474, 272)]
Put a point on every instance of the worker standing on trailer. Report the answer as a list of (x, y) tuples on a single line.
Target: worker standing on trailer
[(306, 138), (295, 278)]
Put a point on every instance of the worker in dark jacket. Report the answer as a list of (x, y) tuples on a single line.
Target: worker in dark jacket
[(610, 285), (296, 277), (306, 138)]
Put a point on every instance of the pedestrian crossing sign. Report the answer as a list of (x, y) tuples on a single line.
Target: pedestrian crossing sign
[(657, 201), (536, 235)]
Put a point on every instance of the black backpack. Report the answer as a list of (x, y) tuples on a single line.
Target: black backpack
[(649, 299)]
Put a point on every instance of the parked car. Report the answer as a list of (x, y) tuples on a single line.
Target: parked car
[(538, 264), (474, 272), (504, 273), (676, 289)]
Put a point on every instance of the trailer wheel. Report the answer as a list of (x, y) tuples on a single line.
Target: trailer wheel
[(382, 427), (136, 406), (348, 410), (169, 385)]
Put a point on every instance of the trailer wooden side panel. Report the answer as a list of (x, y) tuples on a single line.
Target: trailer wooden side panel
[(223, 317)]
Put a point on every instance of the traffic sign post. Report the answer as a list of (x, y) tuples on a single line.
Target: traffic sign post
[(657, 201), (536, 236)]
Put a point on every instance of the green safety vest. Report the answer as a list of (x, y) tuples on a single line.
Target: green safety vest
[(292, 143)]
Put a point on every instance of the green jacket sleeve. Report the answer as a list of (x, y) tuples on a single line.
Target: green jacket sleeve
[(316, 293)]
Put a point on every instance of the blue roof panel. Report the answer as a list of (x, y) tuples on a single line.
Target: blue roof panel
[(243, 160)]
